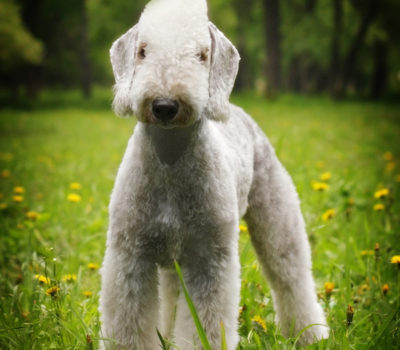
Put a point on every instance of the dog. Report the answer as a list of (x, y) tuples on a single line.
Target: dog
[(194, 166)]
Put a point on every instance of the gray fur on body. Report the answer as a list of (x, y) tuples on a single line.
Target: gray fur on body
[(181, 190)]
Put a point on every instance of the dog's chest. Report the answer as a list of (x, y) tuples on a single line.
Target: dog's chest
[(168, 224)]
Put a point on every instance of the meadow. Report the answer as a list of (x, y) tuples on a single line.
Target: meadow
[(58, 161)]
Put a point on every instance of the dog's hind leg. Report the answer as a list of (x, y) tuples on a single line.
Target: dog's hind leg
[(278, 235)]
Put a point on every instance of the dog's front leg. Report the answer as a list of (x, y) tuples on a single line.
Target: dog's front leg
[(213, 282), (128, 301)]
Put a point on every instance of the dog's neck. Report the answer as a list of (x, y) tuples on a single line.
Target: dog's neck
[(170, 144)]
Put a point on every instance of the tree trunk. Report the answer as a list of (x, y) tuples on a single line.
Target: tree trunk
[(86, 66), (32, 77), (335, 48), (379, 77), (351, 57), (242, 10), (272, 22), (310, 6)]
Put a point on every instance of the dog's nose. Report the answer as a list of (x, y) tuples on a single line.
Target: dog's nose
[(165, 109)]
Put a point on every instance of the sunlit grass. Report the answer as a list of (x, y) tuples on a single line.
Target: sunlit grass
[(65, 160)]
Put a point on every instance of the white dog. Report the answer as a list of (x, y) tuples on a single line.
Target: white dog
[(193, 168)]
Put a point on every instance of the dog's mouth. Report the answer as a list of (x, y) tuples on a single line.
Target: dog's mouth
[(166, 112)]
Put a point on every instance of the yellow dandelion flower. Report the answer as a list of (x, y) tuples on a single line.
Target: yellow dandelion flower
[(328, 286), (3, 206), (379, 207), (93, 266), (19, 190), (74, 198), (395, 260), (259, 322), (243, 228), (385, 289), (388, 156), (5, 173), (42, 279), (390, 167), (363, 288), (53, 291), (329, 214), (69, 278), (75, 186), (32, 215), (367, 252), (383, 192), (319, 186), (325, 176), (87, 293), (18, 198)]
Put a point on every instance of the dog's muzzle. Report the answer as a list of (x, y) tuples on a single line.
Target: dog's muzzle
[(164, 109)]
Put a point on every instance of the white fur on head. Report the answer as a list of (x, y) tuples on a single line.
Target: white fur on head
[(224, 67), (173, 35)]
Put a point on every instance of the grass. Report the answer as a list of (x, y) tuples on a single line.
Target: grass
[(46, 149)]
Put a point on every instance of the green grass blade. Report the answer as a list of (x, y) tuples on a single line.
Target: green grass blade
[(223, 337), (162, 341), (383, 328), (200, 330)]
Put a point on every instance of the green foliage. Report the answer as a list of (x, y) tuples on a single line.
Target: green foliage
[(71, 41), (48, 149), (18, 46)]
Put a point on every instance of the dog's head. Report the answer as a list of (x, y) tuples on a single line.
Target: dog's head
[(173, 66)]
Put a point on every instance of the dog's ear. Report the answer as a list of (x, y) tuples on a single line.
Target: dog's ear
[(224, 66), (123, 55), (123, 61)]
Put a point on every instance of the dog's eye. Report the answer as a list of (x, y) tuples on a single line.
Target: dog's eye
[(142, 52), (203, 55)]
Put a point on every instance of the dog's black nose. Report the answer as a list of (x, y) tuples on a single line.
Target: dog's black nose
[(165, 109)]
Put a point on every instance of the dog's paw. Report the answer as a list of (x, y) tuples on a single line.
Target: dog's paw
[(313, 334)]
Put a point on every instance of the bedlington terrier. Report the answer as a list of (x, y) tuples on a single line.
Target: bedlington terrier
[(194, 166)]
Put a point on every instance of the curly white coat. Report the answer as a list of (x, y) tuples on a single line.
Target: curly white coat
[(182, 188)]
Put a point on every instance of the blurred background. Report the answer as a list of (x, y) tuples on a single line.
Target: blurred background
[(341, 48)]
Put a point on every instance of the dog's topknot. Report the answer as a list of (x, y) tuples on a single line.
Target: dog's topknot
[(175, 19)]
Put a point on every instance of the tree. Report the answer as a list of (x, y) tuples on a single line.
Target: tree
[(19, 48), (18, 45), (369, 14), (62, 27), (85, 62), (243, 13), (335, 49), (272, 22)]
